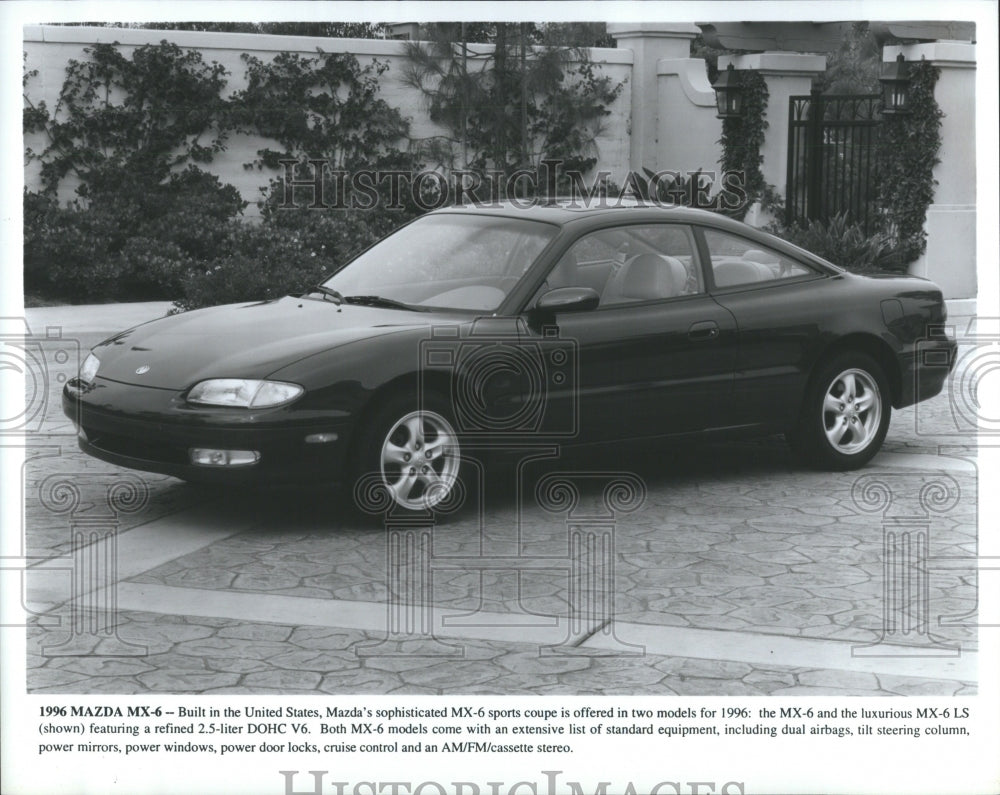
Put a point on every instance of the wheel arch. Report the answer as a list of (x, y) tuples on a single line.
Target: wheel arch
[(871, 345), (437, 382), (808, 439)]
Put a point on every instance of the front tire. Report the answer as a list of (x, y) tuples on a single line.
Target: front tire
[(845, 415), (410, 451)]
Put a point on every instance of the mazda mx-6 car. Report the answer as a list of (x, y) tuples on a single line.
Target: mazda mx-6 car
[(471, 329)]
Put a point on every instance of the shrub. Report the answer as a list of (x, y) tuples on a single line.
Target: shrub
[(846, 244), (125, 241), (286, 254), (72, 252)]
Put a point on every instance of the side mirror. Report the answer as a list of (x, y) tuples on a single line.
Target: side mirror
[(568, 299)]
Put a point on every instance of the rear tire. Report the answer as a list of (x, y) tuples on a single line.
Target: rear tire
[(845, 414)]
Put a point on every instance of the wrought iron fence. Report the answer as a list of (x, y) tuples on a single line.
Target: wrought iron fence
[(832, 148)]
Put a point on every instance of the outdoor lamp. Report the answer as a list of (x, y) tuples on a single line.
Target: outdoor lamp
[(895, 81), (728, 94)]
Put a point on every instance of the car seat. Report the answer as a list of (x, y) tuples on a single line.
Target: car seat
[(646, 277)]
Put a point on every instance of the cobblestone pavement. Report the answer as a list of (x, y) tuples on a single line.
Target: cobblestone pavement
[(207, 655), (735, 561)]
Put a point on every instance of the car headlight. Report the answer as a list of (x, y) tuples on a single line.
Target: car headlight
[(244, 393), (88, 370)]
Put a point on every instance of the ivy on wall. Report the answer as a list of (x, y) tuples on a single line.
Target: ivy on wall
[(909, 150), (511, 106), (147, 222), (324, 107), (741, 141), (121, 119)]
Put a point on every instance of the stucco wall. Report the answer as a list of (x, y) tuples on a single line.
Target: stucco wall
[(49, 48)]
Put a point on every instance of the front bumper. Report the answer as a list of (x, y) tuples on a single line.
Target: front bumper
[(153, 430)]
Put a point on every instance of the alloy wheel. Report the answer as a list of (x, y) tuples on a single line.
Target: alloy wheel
[(419, 460), (852, 411)]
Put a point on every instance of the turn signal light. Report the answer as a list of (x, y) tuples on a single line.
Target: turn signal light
[(223, 458)]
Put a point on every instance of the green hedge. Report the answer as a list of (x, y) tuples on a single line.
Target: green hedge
[(286, 254)]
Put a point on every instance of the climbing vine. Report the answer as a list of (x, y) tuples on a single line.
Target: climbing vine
[(909, 149), (123, 120), (742, 139), (325, 108), (512, 105)]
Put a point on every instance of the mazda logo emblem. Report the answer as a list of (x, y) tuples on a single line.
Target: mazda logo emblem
[(141, 370)]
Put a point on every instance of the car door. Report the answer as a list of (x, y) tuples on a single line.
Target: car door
[(777, 308), (657, 355)]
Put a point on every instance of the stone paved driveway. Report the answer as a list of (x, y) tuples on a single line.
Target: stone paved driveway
[(735, 573)]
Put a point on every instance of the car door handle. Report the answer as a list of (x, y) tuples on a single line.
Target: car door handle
[(703, 330)]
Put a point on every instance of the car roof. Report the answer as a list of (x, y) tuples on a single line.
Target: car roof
[(564, 210), (598, 212)]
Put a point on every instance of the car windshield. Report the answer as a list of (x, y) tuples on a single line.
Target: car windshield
[(448, 261)]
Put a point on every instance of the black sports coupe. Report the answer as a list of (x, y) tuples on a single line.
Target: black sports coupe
[(476, 328)]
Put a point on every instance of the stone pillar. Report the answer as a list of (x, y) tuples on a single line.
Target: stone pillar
[(786, 74), (688, 130), (650, 43), (950, 259)]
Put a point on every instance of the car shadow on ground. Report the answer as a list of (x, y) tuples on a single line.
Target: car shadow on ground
[(499, 484)]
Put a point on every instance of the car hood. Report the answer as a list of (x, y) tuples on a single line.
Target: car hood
[(242, 340)]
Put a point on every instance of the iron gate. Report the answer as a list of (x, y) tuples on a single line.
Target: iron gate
[(832, 144)]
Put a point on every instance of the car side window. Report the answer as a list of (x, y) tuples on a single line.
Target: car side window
[(738, 261), (630, 264)]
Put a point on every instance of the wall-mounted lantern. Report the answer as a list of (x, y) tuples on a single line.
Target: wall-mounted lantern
[(895, 81), (728, 94)]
